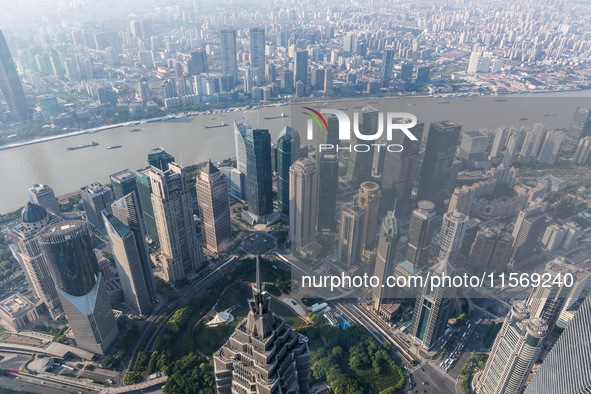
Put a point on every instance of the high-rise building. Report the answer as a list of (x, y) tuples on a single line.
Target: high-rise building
[(43, 195), (214, 208), (400, 172), (385, 257), (548, 301), (127, 211), (198, 63), (432, 311), (350, 245), (263, 355), (228, 48), (303, 202), (420, 233), (514, 352), (387, 63), (540, 130), (474, 63), (259, 190), (300, 67), (461, 200), (67, 249), (160, 159), (288, 151), (180, 252), (123, 183), (359, 165), (440, 152), (472, 148), (498, 142), (551, 147), (406, 71), (328, 187), (583, 152), (452, 234), (514, 142), (567, 368), (528, 228), (240, 127), (491, 250), (10, 83), (257, 53), (329, 136), (95, 198), (368, 198), (131, 255), (144, 190), (48, 105), (580, 127), (26, 251)]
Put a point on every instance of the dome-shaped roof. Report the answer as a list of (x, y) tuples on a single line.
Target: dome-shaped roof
[(32, 213)]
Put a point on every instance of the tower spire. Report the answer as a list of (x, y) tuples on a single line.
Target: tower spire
[(258, 280)]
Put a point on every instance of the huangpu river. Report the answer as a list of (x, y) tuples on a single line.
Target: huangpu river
[(190, 142)]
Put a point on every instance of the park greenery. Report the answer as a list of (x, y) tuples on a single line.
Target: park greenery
[(8, 264), (350, 361)]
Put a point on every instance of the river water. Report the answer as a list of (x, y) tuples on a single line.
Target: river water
[(189, 142)]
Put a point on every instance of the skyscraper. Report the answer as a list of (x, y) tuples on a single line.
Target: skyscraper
[(528, 228), (328, 187), (198, 63), (95, 198), (400, 172), (300, 67), (240, 127), (548, 301), (144, 190), (123, 183), (26, 251), (583, 152), (160, 159), (125, 230), (228, 48), (329, 136), (214, 208), (491, 250), (452, 234), (432, 311), (350, 245), (263, 355), (303, 202), (359, 166), (387, 64), (368, 198), (514, 352), (551, 147), (498, 142), (257, 53), (514, 142), (180, 252), (43, 195), (580, 127), (567, 368), (259, 189), (288, 151), (10, 83), (67, 249), (440, 152), (386, 256), (420, 233)]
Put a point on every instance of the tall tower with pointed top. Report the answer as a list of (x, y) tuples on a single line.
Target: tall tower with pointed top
[(263, 355)]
